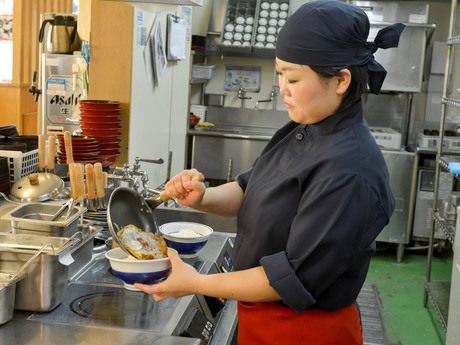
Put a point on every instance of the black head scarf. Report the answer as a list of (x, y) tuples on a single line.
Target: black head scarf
[(332, 33)]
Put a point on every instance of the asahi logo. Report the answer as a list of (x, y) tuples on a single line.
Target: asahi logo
[(63, 100)]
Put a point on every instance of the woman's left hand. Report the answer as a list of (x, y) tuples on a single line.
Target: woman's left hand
[(179, 282)]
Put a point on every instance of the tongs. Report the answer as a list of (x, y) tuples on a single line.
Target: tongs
[(69, 205)]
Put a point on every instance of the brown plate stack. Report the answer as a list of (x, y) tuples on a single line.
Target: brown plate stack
[(101, 119), (85, 150)]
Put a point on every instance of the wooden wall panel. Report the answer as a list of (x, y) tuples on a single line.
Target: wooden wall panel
[(111, 44), (14, 97)]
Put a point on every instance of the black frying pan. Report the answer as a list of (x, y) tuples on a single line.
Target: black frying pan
[(126, 207)]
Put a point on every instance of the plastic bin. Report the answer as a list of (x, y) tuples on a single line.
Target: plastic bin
[(21, 164)]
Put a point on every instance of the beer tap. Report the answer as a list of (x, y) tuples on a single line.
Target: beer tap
[(33, 86)]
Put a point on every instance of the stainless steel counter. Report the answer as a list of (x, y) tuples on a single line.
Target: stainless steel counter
[(20, 331), (97, 309)]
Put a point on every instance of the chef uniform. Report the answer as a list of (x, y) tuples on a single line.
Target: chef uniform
[(317, 197)]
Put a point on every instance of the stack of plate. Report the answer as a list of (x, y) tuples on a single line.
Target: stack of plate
[(85, 150), (30, 140), (101, 119), (10, 140), (4, 175), (9, 131)]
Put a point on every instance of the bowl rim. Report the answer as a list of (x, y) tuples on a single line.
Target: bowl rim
[(124, 260), (204, 236)]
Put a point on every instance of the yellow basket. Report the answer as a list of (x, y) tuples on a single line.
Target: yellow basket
[(21, 164)]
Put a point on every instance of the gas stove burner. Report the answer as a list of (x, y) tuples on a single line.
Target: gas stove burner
[(111, 306)]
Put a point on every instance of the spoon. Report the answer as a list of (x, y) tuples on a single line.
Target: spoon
[(163, 196)]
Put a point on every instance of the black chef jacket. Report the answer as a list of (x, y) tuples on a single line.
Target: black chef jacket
[(314, 202)]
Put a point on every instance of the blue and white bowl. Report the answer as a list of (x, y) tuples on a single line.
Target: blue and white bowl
[(187, 238), (132, 270)]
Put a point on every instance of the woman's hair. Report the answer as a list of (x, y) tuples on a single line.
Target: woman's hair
[(358, 84)]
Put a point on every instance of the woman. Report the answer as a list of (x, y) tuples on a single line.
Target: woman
[(311, 206)]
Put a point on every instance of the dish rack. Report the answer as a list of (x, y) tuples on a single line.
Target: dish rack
[(21, 164)]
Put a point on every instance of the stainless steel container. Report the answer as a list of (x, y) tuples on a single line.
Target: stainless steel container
[(7, 296), (45, 285), (35, 219)]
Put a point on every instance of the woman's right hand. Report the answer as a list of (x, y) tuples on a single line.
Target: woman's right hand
[(187, 187)]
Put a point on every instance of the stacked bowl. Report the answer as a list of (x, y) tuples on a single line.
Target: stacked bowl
[(101, 119), (85, 150)]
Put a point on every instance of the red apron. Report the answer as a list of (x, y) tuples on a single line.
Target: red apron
[(272, 323)]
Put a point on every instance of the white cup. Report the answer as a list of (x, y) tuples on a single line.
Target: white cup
[(271, 30), (265, 5), (273, 22), (284, 6), (228, 35), (237, 36), (239, 28), (283, 14), (248, 28), (273, 14), (263, 21), (274, 6), (250, 20), (271, 38), (261, 29), (264, 14), (239, 20), (260, 38)]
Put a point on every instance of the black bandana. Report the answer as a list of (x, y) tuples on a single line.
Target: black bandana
[(332, 33)]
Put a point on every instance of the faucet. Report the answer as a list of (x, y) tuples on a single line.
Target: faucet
[(273, 96), (242, 95), (126, 174)]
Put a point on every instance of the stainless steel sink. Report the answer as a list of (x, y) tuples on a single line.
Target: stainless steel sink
[(172, 213)]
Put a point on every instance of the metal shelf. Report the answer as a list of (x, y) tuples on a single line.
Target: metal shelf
[(447, 229), (439, 293), (451, 102)]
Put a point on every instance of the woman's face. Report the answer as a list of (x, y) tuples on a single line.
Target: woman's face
[(308, 98)]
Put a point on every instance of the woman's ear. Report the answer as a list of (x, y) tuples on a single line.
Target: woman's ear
[(343, 81)]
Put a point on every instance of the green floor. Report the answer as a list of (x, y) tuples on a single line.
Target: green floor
[(400, 287)]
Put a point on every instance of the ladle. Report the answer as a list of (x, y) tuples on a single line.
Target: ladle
[(162, 197)]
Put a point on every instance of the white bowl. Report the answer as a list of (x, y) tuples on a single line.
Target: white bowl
[(187, 247), (132, 270)]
